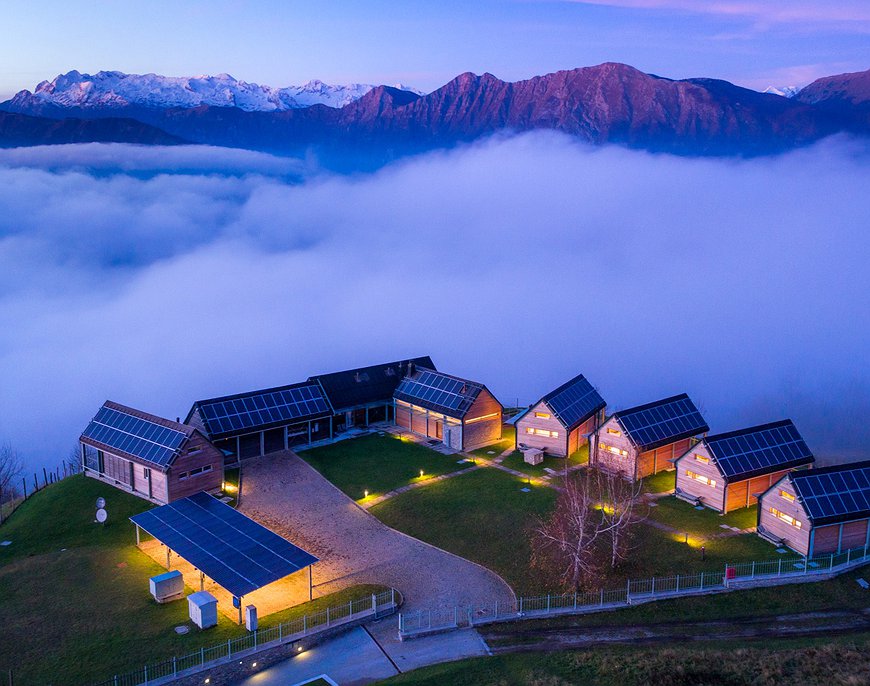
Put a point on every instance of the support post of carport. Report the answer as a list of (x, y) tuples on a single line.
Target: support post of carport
[(240, 609), (201, 581), (168, 553), (310, 591), (137, 535)]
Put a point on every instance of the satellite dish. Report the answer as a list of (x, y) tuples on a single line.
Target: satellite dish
[(101, 503), (102, 516)]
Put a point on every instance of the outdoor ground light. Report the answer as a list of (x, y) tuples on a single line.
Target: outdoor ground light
[(366, 493), (421, 473)]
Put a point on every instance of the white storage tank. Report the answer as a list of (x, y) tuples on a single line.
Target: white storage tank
[(167, 587), (202, 607)]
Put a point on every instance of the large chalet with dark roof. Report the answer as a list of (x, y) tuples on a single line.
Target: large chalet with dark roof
[(460, 413), (152, 457), (559, 422)]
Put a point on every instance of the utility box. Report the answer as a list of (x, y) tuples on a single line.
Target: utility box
[(202, 607), (251, 617), (167, 587), (533, 456)]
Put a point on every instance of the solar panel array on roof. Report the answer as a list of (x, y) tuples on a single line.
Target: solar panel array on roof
[(367, 384), (759, 450), (228, 547), (834, 494), (259, 409), (574, 402), (436, 391), (135, 436), (665, 421)]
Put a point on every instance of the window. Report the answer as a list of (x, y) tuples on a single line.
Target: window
[(785, 517), (542, 432), (542, 415), (613, 449), (194, 472), (700, 477), (194, 450), (147, 473), (785, 495), (615, 432), (703, 459), (492, 415)]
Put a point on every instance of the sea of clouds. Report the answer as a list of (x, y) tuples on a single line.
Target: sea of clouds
[(157, 276)]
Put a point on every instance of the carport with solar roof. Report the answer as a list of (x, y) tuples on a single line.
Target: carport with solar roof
[(221, 544)]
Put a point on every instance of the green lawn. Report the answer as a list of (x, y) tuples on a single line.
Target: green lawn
[(661, 482), (701, 523), (85, 612), (482, 516), (811, 662), (515, 461), (377, 464), (508, 434)]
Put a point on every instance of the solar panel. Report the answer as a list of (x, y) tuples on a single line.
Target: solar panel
[(759, 449), (147, 440), (575, 402), (262, 408), (834, 495), (231, 549), (666, 421), (438, 392)]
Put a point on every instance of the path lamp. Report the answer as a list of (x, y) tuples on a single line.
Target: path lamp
[(365, 494), (687, 538), (703, 552), (421, 473)]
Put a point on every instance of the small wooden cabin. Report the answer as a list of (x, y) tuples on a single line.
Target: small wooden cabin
[(460, 413), (818, 511), (364, 396), (728, 471), (646, 439), (559, 422), (149, 456), (266, 421)]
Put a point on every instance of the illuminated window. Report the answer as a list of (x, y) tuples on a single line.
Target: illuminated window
[(785, 517), (542, 432), (700, 477), (703, 459), (529, 430), (542, 415), (615, 432), (481, 418), (786, 495), (613, 449)]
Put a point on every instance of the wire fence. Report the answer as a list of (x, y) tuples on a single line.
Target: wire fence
[(786, 569), (9, 502), (164, 671)]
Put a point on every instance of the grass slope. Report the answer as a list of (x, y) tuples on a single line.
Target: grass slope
[(84, 613), (377, 463)]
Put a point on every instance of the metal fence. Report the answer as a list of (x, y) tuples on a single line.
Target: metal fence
[(786, 569), (10, 501), (291, 631)]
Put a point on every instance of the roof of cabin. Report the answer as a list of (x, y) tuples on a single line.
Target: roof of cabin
[(661, 422), (574, 402), (450, 395), (233, 415), (834, 494), (354, 387), (758, 450), (140, 436)]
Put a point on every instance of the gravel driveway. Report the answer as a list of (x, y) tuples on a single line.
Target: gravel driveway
[(284, 493)]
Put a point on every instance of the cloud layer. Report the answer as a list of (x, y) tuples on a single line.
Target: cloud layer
[(158, 276)]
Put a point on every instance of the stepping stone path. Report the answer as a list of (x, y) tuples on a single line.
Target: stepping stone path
[(862, 583), (5, 543)]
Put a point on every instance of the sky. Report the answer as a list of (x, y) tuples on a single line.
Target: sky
[(158, 276), (755, 43)]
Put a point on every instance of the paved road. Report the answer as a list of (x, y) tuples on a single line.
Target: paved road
[(283, 492)]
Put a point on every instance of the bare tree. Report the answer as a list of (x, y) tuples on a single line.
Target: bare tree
[(589, 529), (11, 466), (73, 462)]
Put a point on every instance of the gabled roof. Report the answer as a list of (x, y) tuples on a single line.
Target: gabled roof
[(354, 387), (758, 450), (136, 435), (834, 494), (661, 422), (233, 415), (574, 402), (450, 395)]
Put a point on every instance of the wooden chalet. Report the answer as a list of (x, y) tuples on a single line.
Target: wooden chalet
[(364, 396), (728, 471), (646, 439), (462, 414), (559, 422), (818, 511), (265, 421), (149, 456)]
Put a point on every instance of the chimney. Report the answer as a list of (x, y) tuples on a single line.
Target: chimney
[(410, 368), (357, 377)]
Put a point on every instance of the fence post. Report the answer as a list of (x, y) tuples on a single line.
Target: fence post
[(201, 656), (455, 617), (350, 609), (779, 570), (848, 556), (806, 564), (496, 610), (702, 581), (304, 624), (174, 666), (327, 617), (548, 603), (752, 576), (678, 583), (146, 666), (653, 585), (575, 600), (393, 596), (628, 592), (116, 680), (256, 631), (229, 649), (521, 605), (831, 566), (374, 604)]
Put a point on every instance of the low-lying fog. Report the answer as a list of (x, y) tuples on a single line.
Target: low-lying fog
[(156, 276)]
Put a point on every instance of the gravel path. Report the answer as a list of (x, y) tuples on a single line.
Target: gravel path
[(285, 494)]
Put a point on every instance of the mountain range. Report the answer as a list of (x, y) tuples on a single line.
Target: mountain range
[(607, 103)]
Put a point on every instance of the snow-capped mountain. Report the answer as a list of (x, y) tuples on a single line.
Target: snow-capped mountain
[(116, 90), (784, 91)]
